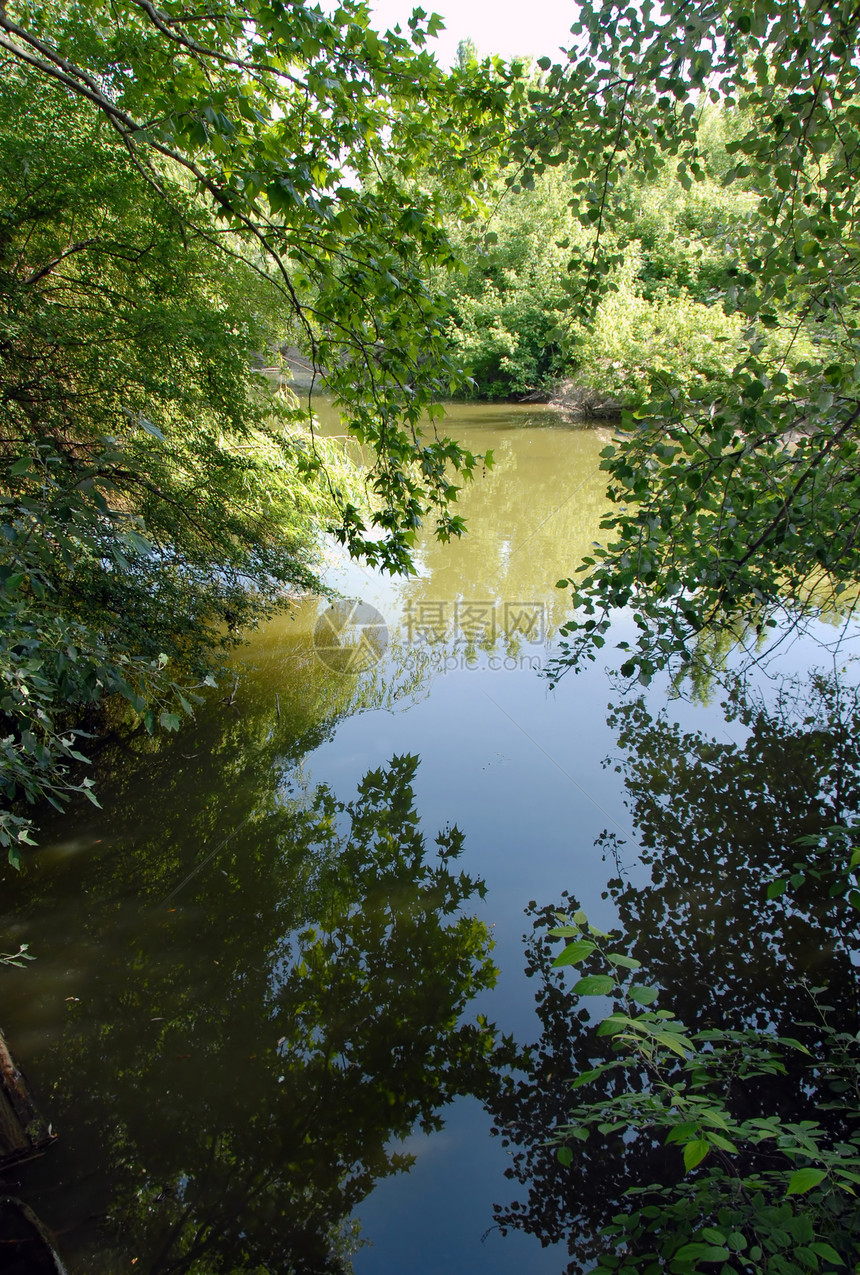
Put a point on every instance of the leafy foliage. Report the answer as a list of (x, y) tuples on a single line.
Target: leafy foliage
[(736, 497), (759, 1193), (155, 496), (741, 939), (182, 193), (514, 316), (301, 135)]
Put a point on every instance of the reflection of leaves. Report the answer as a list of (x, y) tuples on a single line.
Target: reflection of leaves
[(701, 1106), (517, 516), (718, 822), (276, 1077)]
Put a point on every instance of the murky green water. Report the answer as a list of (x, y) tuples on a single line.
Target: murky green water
[(279, 964)]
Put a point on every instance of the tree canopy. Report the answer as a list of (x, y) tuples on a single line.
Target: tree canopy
[(733, 499), (300, 135), (182, 194)]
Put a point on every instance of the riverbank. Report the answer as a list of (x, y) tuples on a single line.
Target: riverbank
[(576, 402), (580, 402)]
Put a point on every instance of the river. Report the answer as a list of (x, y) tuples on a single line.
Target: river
[(285, 975)]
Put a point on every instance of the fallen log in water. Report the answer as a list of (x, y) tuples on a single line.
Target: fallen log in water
[(23, 1132), (25, 1245)]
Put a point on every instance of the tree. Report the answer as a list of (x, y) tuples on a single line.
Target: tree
[(182, 190), (734, 502), (301, 134), (467, 53), (656, 329), (148, 477)]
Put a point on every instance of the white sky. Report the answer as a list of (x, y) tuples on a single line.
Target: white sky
[(511, 28)]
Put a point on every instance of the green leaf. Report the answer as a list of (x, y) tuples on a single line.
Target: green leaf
[(138, 542), (628, 962), (827, 1251), (574, 953), (725, 1144), (643, 994), (701, 1253), (677, 1045), (803, 1180), (595, 985), (613, 1025), (694, 1153), (586, 1077)]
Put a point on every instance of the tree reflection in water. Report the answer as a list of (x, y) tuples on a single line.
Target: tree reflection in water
[(717, 822), (235, 1109)]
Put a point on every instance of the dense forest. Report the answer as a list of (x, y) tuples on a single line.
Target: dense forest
[(661, 231), (662, 324)]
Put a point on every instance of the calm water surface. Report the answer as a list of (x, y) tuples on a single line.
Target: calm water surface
[(260, 1018)]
